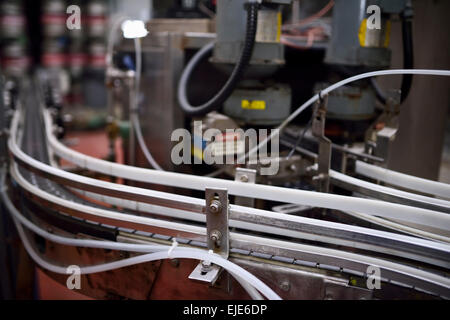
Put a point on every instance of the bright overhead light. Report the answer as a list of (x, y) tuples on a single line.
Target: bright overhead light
[(134, 29)]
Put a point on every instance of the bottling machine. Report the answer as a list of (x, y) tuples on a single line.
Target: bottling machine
[(222, 187)]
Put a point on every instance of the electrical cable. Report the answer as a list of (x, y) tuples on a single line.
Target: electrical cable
[(408, 57), (301, 137), (312, 100), (313, 32), (337, 85), (312, 18), (216, 102)]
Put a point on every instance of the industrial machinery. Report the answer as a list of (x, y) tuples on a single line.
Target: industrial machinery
[(248, 195)]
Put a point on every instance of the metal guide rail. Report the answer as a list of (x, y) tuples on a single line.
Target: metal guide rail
[(43, 184), (426, 217)]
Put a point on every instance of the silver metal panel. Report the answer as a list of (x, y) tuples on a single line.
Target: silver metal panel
[(163, 58)]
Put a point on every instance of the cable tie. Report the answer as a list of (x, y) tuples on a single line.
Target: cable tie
[(172, 247)]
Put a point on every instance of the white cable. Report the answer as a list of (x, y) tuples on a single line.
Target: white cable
[(402, 269), (18, 218), (443, 188), (133, 112), (160, 255), (196, 217), (337, 85), (183, 214), (134, 108), (243, 225), (86, 243), (403, 180), (386, 190), (142, 145), (349, 257), (254, 294), (315, 199), (400, 227), (116, 23)]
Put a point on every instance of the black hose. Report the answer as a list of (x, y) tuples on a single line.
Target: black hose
[(408, 56), (216, 102), (408, 60)]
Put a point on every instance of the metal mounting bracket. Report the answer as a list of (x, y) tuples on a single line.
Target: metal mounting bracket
[(324, 160), (217, 210), (390, 118), (217, 204), (246, 176)]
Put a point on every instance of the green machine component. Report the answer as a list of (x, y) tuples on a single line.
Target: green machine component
[(253, 102), (263, 106), (354, 41), (360, 41), (248, 49)]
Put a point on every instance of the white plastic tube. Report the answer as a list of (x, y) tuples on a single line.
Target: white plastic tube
[(343, 258), (182, 214), (400, 227), (386, 190), (106, 214), (351, 257), (134, 118), (114, 28), (184, 253), (87, 243), (315, 199), (248, 226), (403, 180), (339, 84), (346, 256)]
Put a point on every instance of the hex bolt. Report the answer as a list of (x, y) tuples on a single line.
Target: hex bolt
[(216, 237), (215, 206)]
